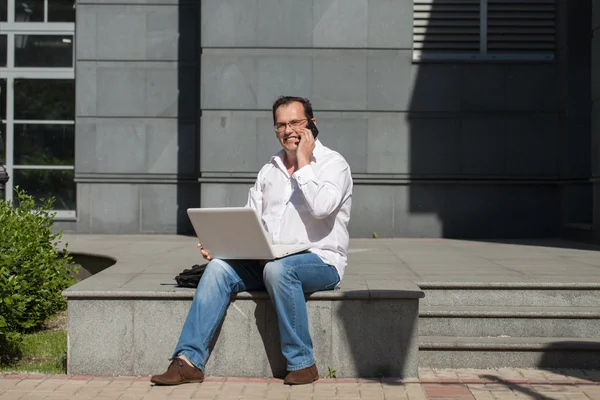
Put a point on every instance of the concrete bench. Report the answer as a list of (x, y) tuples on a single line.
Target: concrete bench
[(126, 319), (359, 333)]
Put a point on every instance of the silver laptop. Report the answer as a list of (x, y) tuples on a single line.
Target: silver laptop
[(236, 233)]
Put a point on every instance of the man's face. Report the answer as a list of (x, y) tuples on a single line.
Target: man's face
[(288, 120)]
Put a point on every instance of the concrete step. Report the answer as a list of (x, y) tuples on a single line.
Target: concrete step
[(519, 352), (471, 321), (510, 294)]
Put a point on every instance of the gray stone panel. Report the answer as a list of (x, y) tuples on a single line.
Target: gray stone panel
[(114, 208), (267, 139), (390, 24), (285, 23), (86, 87), (119, 145), (357, 345), (124, 25), (239, 349), (482, 359), (134, 32), (340, 23), (224, 194), (85, 39), (595, 15), (533, 87), (143, 2), (483, 87), (163, 207), (229, 23), (372, 211), (153, 347), (120, 91), (306, 24), (510, 326), (228, 82), (484, 146), (435, 146), (242, 141), (467, 211), (595, 148), (482, 211), (348, 136), (532, 146), (516, 297), (229, 142), (110, 354), (418, 210), (107, 147), (161, 93), (247, 343), (164, 31), (320, 313), (388, 144), (390, 81), (436, 87), (135, 90), (340, 81), (596, 211), (596, 66), (578, 202), (292, 75)]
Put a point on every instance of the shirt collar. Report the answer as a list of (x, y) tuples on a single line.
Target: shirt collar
[(278, 157)]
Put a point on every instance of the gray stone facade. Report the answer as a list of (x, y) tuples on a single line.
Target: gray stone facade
[(173, 111), (596, 115)]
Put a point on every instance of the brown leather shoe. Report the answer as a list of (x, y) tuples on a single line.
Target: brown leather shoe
[(179, 372), (302, 376)]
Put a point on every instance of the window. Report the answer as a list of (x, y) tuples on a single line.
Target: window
[(484, 29), (43, 51), (37, 100), (44, 10)]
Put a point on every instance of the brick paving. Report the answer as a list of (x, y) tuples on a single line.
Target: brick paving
[(495, 384)]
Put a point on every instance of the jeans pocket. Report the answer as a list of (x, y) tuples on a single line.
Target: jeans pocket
[(336, 279)]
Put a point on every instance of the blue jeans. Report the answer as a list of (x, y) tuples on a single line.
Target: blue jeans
[(286, 280)]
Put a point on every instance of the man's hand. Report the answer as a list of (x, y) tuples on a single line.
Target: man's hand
[(305, 147), (204, 252)]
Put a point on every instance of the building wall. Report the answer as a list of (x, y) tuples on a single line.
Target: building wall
[(174, 111), (595, 48), (576, 193), (137, 131)]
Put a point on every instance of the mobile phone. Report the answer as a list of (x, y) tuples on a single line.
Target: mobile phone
[(313, 128)]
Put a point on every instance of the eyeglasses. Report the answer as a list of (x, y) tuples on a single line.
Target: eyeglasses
[(280, 127)]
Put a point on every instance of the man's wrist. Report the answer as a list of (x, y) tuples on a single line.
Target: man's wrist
[(303, 162)]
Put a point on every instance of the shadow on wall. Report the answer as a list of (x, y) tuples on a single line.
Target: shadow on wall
[(486, 150), (572, 357), (188, 112)]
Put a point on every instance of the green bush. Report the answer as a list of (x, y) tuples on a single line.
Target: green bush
[(33, 270)]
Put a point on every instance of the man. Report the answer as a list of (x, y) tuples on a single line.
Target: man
[(303, 195)]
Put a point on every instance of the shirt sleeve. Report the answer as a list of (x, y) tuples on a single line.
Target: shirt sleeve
[(324, 192), (255, 196)]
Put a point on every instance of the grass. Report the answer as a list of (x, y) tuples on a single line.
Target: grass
[(42, 352)]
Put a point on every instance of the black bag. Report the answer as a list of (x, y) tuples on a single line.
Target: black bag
[(190, 277)]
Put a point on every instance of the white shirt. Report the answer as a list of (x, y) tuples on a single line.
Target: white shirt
[(311, 206)]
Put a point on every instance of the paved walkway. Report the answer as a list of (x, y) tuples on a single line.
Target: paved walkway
[(501, 384)]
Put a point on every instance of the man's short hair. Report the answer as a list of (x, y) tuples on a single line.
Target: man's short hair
[(287, 100)]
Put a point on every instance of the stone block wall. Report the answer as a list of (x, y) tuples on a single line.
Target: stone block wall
[(174, 102), (596, 114)]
